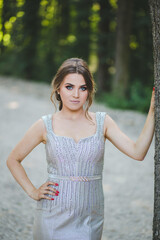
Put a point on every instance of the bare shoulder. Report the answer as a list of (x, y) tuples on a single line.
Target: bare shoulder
[(108, 121), (37, 131), (33, 136), (42, 129), (38, 128)]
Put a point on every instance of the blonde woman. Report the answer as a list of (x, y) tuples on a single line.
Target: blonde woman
[(70, 204)]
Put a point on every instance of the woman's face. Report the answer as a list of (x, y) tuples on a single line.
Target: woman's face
[(73, 91)]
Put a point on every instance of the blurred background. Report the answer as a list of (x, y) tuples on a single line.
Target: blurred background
[(114, 37)]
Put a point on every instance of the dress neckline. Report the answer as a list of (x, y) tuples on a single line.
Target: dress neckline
[(71, 138)]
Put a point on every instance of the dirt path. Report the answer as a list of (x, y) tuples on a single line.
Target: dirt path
[(127, 183)]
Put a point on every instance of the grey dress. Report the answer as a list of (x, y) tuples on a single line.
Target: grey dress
[(78, 212)]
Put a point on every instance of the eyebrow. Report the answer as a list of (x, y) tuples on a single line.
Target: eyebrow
[(73, 85)]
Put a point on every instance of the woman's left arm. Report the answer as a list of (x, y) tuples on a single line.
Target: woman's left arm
[(136, 150), (146, 136)]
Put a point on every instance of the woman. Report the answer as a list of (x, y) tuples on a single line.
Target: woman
[(70, 204)]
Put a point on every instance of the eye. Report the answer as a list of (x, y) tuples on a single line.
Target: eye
[(84, 88), (68, 87)]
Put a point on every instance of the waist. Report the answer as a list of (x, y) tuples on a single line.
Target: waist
[(75, 178)]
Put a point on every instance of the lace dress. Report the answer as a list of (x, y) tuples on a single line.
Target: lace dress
[(77, 213)]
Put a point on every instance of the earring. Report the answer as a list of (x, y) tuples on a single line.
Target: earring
[(58, 97)]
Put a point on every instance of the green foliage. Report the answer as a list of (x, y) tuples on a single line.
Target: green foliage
[(139, 98)]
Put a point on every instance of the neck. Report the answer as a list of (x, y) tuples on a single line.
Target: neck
[(71, 114)]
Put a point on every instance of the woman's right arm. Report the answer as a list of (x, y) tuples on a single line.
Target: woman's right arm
[(34, 136)]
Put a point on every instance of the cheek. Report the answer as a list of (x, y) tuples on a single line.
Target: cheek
[(65, 93), (85, 95)]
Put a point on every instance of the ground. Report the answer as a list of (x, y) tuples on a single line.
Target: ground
[(128, 184)]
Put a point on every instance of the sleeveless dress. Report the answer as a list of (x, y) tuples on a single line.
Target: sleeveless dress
[(77, 213)]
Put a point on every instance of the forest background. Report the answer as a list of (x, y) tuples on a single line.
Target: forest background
[(113, 36)]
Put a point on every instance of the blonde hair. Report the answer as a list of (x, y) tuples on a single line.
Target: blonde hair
[(73, 65)]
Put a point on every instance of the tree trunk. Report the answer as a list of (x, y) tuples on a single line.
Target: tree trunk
[(120, 82), (155, 16), (31, 28), (82, 32), (102, 74)]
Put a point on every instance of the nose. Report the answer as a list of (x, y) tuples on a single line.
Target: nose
[(76, 93)]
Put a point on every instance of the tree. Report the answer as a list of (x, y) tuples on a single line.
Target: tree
[(81, 47), (55, 36), (62, 29), (103, 48), (120, 82), (7, 10), (155, 17), (31, 28), (140, 43)]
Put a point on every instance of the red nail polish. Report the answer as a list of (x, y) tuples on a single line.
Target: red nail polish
[(52, 198), (57, 191), (56, 194), (56, 184), (153, 88)]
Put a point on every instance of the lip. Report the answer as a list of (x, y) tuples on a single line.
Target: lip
[(75, 101)]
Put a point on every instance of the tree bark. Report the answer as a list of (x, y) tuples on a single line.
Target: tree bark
[(121, 80), (155, 17)]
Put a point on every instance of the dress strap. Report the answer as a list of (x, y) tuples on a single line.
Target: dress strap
[(100, 126), (100, 122), (47, 119)]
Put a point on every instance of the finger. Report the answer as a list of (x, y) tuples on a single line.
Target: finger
[(46, 197), (51, 189), (49, 192), (52, 183)]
